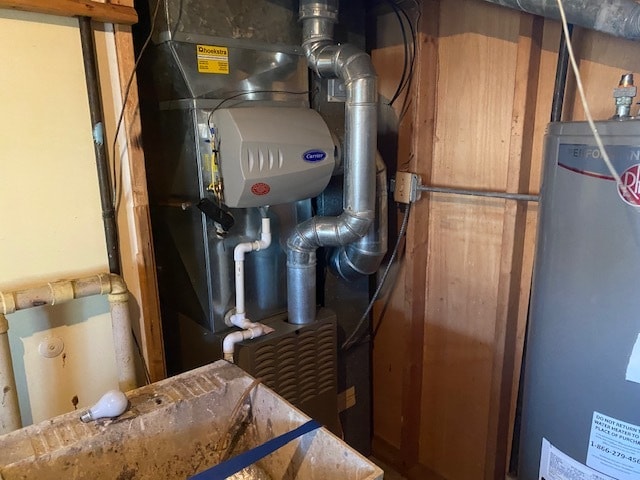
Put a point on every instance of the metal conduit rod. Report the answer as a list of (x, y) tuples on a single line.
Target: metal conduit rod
[(99, 146), (561, 78), (92, 77), (520, 197)]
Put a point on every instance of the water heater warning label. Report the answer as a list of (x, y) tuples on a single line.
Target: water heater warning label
[(212, 59), (614, 447), (556, 465)]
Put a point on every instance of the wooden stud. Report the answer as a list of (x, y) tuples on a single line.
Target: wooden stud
[(477, 58), (151, 325), (100, 12), (421, 129), (512, 246)]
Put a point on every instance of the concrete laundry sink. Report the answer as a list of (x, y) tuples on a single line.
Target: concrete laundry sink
[(176, 428)]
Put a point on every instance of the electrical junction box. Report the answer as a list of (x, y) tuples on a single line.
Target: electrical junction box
[(272, 155)]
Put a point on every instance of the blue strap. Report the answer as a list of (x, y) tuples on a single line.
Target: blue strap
[(242, 461)]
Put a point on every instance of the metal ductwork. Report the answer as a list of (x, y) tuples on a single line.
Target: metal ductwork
[(353, 67), (363, 257), (615, 17)]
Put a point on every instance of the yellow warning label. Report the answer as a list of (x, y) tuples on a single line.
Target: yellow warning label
[(212, 59)]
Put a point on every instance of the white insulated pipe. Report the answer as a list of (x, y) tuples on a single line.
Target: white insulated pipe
[(61, 291), (54, 293), (9, 409), (237, 317), (123, 340)]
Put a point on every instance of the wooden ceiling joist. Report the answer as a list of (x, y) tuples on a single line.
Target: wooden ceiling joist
[(100, 12)]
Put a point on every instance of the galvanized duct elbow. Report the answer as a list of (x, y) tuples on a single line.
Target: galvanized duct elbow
[(615, 17), (363, 257), (355, 69)]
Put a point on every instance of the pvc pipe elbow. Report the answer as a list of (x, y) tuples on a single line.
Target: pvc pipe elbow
[(255, 330), (117, 285), (265, 240), (241, 321), (240, 250), (229, 342), (246, 247)]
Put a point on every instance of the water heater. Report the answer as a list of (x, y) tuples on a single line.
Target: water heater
[(581, 410)]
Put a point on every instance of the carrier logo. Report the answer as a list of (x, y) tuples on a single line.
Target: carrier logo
[(314, 156), (630, 189), (260, 188)]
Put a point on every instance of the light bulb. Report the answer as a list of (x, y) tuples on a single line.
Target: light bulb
[(111, 405)]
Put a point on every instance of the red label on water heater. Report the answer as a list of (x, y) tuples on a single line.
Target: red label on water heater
[(630, 189), (260, 188)]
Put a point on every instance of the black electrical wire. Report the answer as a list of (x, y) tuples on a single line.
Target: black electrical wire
[(561, 77), (405, 42), (412, 62), (127, 91), (410, 52), (381, 317), (249, 92), (411, 46), (354, 339)]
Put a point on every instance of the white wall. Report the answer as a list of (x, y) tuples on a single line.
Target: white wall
[(52, 222)]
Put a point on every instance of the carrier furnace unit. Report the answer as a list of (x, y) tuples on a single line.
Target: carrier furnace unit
[(581, 412), (229, 129)]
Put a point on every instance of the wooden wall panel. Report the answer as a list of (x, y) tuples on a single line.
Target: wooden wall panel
[(474, 104), (482, 104), (602, 60), (464, 247), (471, 149)]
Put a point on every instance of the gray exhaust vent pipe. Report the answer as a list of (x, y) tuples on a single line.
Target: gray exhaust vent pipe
[(363, 257), (615, 17), (355, 69)]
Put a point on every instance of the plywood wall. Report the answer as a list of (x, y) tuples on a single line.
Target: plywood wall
[(447, 356)]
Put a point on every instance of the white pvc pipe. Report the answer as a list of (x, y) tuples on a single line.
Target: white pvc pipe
[(9, 409), (254, 331), (239, 269), (238, 317), (54, 293)]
